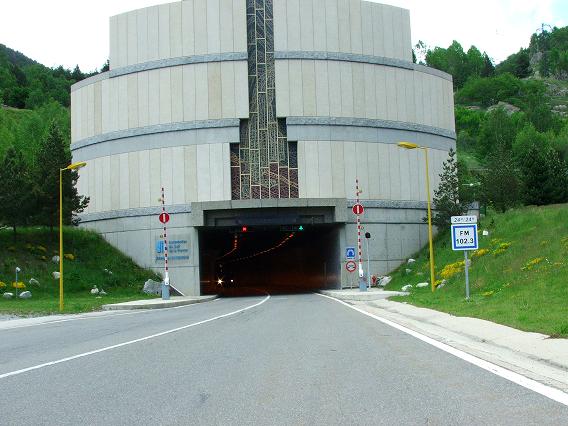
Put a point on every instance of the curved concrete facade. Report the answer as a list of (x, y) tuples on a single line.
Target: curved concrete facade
[(237, 104)]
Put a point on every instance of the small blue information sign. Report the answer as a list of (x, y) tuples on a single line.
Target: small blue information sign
[(464, 237), (350, 253)]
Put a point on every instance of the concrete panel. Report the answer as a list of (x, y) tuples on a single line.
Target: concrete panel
[(226, 172), (132, 38), (98, 195), (203, 173), (175, 30), (401, 113), (370, 91), (335, 94), (241, 89), (388, 30), (124, 199), (406, 35), (154, 97), (90, 110), (165, 96), (216, 167), (378, 35), (358, 90), (104, 163), (153, 33), (414, 177), (309, 88), (226, 20), (189, 94), (280, 25), (321, 88), (228, 90), (177, 94), (346, 76), (132, 93), (350, 170), (144, 172), (164, 31), (190, 175), (367, 27), (115, 190), (187, 28), (213, 30), (362, 155), (84, 120), (325, 167), (404, 177), (332, 25), (122, 28), (166, 178), (293, 25), (178, 181), (155, 176), (427, 95), (133, 180), (143, 99), (122, 103), (398, 36), (239, 26), (418, 94), (312, 169), (214, 89), (344, 26), (142, 34), (392, 105), (302, 166), (409, 96), (113, 42), (373, 186), (306, 25), (319, 30), (394, 171), (282, 89), (200, 25), (355, 26), (202, 92), (296, 101)]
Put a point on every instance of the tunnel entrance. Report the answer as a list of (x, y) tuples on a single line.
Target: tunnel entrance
[(272, 258)]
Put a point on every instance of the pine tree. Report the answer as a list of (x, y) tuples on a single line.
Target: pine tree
[(447, 197), (500, 183), (53, 155), (15, 189), (545, 176)]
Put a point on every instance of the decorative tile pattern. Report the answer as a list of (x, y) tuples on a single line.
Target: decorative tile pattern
[(264, 164)]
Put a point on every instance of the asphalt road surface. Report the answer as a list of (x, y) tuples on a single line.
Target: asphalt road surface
[(292, 359)]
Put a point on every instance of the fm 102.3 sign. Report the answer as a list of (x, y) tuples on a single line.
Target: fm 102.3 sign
[(464, 233)]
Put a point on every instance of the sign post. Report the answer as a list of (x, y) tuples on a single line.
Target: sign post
[(464, 238), (358, 210), (165, 218)]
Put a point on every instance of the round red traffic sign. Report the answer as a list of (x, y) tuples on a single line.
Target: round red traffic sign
[(351, 266), (358, 209), (164, 218)]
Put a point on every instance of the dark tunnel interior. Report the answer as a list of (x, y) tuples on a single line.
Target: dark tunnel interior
[(273, 259)]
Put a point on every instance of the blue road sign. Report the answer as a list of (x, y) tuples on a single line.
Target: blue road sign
[(350, 253), (464, 237)]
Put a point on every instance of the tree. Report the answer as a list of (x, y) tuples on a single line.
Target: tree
[(52, 156), (500, 182), (448, 198), (15, 189), (497, 129)]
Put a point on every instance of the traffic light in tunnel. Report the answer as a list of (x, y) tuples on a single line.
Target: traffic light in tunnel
[(300, 228), (244, 228)]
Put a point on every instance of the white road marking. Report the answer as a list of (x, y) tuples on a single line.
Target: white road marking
[(547, 391), (89, 316), (108, 348)]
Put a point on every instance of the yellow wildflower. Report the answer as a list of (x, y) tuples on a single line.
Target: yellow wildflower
[(452, 269), (532, 263), (479, 253), (2, 285), (41, 248), (488, 293), (18, 284), (69, 256)]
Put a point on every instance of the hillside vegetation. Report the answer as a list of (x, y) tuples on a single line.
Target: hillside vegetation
[(518, 277), (90, 261)]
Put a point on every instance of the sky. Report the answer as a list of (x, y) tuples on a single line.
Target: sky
[(75, 32)]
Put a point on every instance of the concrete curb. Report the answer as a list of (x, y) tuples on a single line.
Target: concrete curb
[(362, 296), (158, 303)]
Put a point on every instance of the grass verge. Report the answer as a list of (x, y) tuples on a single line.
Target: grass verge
[(518, 277)]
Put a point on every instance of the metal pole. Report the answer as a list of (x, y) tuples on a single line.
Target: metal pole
[(362, 286), (60, 240), (368, 265), (17, 282), (166, 284), (432, 277), (466, 275)]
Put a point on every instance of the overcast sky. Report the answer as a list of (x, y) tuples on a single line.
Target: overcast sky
[(70, 32)]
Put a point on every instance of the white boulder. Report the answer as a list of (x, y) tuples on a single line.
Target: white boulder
[(442, 284), (8, 295), (407, 287), (102, 292), (409, 261), (55, 259), (26, 295), (422, 285), (55, 275), (408, 271), (95, 290), (384, 281), (152, 287), (485, 233), (33, 281)]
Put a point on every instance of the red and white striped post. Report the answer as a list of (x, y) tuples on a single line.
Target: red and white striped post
[(166, 284), (359, 246)]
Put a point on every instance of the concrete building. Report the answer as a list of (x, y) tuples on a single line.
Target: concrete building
[(260, 114)]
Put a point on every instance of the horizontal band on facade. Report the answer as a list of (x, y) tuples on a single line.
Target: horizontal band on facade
[(162, 63), (363, 59), (156, 129), (369, 122)]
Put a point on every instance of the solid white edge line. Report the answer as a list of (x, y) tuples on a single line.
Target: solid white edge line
[(130, 342), (545, 390)]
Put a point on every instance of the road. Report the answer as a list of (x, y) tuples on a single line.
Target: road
[(288, 359)]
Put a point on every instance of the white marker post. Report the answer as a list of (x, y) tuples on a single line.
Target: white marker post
[(358, 210), (464, 238), (165, 218)]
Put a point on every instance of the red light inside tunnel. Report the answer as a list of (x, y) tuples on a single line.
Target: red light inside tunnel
[(244, 229)]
